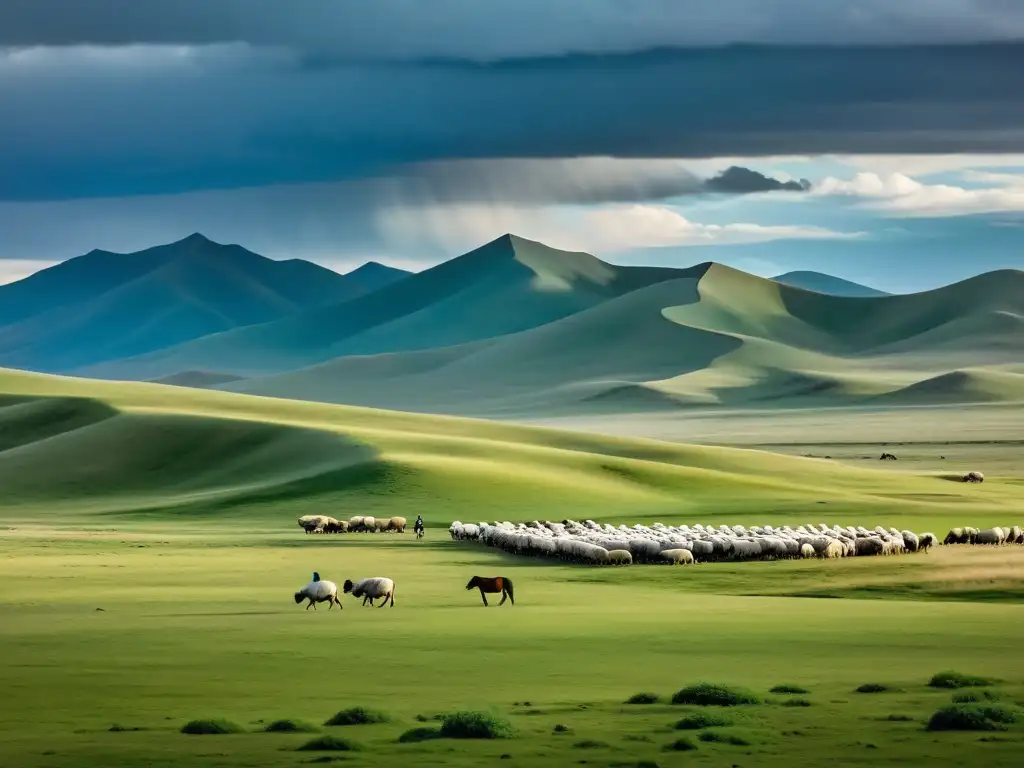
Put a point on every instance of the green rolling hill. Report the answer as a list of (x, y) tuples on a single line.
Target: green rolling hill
[(201, 455), (720, 336), (506, 286), (106, 306)]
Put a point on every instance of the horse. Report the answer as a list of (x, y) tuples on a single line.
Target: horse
[(493, 585)]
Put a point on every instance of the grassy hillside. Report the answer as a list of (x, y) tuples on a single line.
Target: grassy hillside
[(719, 338), (201, 455), (105, 306), (503, 287), (149, 552), (820, 282)]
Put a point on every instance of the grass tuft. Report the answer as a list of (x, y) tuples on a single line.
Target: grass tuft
[(701, 720), (643, 698), (590, 744), (710, 695), (416, 735), (118, 728), (952, 679), (725, 737), (975, 697), (899, 719), (683, 744), (796, 703), (475, 725), (560, 728), (358, 716), (211, 727), (329, 743), (290, 726), (788, 689), (873, 688)]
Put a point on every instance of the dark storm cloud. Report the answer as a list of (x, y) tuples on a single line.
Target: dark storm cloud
[(499, 29), (737, 180), (118, 122)]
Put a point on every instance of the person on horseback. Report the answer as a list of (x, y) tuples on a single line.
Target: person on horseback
[(316, 577), (418, 527)]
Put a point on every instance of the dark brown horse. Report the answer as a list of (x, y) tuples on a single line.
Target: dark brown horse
[(493, 585)]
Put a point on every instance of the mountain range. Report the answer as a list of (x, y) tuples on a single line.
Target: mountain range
[(106, 306), (515, 329)]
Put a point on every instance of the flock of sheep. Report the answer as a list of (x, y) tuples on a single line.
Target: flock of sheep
[(358, 524), (592, 543)]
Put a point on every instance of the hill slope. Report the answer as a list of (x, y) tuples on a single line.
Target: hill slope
[(104, 306), (206, 454), (505, 286), (828, 284), (724, 337)]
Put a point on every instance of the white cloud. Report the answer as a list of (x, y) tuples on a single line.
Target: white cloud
[(896, 194), (924, 165), (605, 229), (12, 270)]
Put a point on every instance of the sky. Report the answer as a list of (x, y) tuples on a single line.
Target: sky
[(409, 132)]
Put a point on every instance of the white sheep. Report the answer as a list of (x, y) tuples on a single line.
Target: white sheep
[(371, 589), (677, 556), (319, 592)]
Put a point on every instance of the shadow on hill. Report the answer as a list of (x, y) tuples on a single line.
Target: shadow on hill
[(105, 460)]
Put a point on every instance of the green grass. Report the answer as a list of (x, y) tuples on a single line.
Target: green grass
[(785, 690), (188, 544), (972, 717), (329, 743), (290, 726)]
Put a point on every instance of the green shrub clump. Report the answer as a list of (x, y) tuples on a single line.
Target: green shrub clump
[(788, 689), (329, 744), (358, 716), (643, 698), (210, 727), (700, 721), (972, 717), (710, 695), (958, 680), (475, 725)]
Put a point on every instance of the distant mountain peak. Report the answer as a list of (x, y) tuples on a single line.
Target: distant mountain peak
[(197, 238), (821, 282)]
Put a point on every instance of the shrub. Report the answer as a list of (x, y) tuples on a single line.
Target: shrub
[(722, 737), (475, 725), (899, 719), (358, 716), (958, 680), (417, 735), (210, 727), (681, 745), (786, 689), (974, 697), (796, 703), (963, 717), (709, 695), (560, 728), (643, 698), (290, 726), (328, 744), (873, 688), (698, 721), (117, 728)]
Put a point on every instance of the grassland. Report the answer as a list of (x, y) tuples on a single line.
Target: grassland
[(148, 555)]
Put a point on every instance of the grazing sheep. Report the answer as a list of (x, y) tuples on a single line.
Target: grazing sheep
[(926, 542), (620, 557), (974, 477), (834, 550), (990, 536), (955, 536), (677, 556), (397, 524), (319, 592), (910, 541), (1016, 535), (371, 589)]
